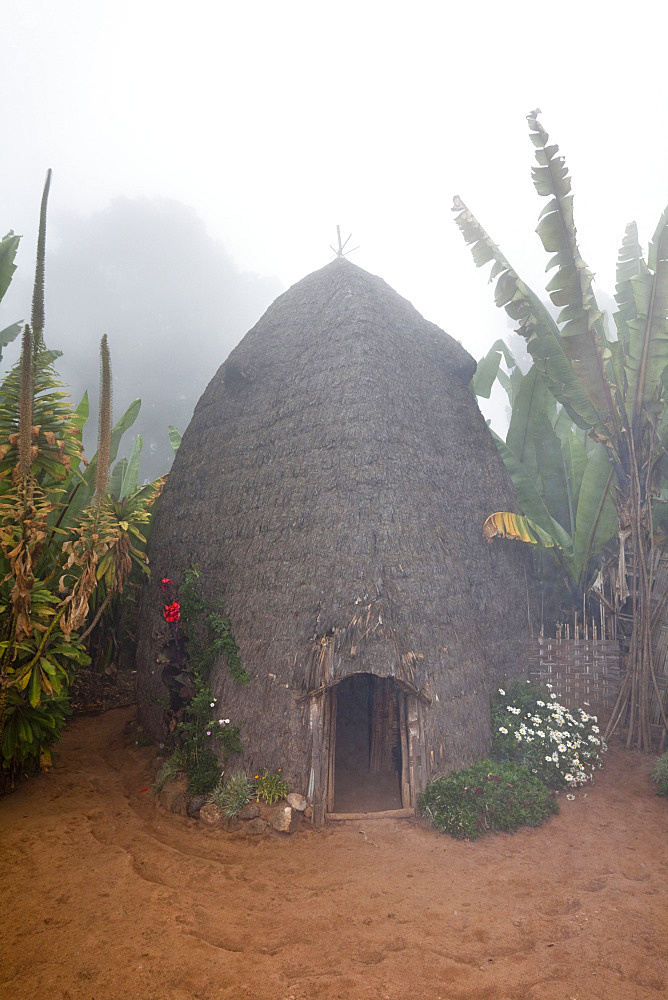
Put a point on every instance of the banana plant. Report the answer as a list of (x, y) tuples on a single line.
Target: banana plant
[(563, 481), (611, 388)]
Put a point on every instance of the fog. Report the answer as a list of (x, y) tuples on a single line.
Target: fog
[(170, 298), (204, 155)]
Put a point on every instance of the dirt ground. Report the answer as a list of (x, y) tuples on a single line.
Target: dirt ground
[(105, 897)]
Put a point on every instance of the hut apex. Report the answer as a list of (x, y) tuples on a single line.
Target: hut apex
[(341, 250), (331, 489)]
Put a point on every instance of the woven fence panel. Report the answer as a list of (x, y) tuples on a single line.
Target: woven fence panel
[(584, 673)]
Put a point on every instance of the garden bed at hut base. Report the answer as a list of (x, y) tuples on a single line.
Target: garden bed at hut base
[(111, 897)]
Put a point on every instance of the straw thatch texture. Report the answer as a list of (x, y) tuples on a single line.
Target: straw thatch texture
[(332, 487)]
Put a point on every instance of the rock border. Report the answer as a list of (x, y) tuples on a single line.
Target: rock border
[(256, 818)]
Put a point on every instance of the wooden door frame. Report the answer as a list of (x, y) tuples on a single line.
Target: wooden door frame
[(412, 753)]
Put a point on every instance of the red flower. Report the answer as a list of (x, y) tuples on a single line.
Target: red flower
[(165, 583), (172, 613)]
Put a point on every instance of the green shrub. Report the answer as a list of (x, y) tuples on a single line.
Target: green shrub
[(486, 796), (204, 773), (530, 727), (233, 794), (175, 764), (660, 773)]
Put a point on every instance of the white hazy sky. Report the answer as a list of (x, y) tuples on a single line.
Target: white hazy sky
[(277, 121)]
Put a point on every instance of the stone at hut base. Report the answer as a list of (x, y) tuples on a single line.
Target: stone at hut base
[(250, 811), (173, 790), (255, 827), (297, 801), (308, 812), (284, 819), (180, 804), (211, 815), (195, 804)]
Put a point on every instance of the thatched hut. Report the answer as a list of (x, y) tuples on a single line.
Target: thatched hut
[(331, 488)]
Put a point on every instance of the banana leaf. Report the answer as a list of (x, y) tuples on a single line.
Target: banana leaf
[(530, 499), (487, 369), (535, 323), (582, 331), (574, 459), (129, 484), (596, 519), (532, 400), (9, 334), (174, 437), (8, 248), (517, 527)]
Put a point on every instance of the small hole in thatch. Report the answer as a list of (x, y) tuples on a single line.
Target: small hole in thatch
[(367, 766)]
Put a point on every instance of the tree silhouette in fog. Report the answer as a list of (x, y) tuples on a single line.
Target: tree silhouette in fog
[(170, 298)]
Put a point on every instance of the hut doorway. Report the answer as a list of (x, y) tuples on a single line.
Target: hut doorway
[(366, 748)]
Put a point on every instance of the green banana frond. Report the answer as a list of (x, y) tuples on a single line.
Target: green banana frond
[(596, 519), (487, 369), (642, 318), (174, 437), (574, 459), (535, 323), (530, 499), (580, 320), (9, 246), (117, 432), (532, 401)]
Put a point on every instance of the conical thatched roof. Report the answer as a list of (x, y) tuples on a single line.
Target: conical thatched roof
[(331, 488)]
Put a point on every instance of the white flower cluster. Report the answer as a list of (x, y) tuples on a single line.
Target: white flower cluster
[(573, 741)]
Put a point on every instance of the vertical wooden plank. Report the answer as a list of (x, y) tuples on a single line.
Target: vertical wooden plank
[(405, 752), (316, 724), (413, 727), (331, 700)]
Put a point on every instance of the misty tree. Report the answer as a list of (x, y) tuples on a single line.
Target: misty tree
[(169, 297)]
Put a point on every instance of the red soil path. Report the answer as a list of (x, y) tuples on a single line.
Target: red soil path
[(105, 897)]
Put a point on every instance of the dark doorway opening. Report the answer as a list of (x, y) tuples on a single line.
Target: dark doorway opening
[(368, 745)]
